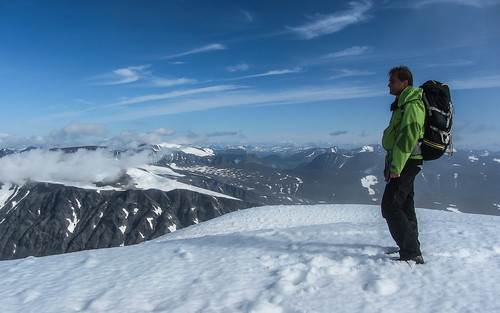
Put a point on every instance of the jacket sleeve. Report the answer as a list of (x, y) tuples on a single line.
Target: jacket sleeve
[(410, 131)]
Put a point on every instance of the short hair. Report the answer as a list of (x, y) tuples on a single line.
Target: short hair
[(403, 73)]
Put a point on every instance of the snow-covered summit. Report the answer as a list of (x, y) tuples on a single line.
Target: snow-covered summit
[(201, 152), (328, 258), (367, 149)]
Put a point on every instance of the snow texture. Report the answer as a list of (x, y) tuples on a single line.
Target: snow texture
[(283, 259), (5, 193), (369, 181), (152, 177)]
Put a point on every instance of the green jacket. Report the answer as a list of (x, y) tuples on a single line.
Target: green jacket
[(405, 129)]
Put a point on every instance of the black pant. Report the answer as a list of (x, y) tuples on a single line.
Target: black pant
[(398, 209)]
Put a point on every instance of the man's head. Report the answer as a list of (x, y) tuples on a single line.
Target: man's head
[(399, 78)]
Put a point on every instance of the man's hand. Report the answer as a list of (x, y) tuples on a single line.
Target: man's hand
[(394, 175)]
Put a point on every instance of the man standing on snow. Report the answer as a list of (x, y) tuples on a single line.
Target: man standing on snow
[(403, 162)]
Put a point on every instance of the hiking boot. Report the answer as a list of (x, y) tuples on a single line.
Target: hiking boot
[(417, 259)]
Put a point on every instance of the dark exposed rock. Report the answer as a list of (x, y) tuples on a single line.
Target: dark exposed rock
[(43, 219)]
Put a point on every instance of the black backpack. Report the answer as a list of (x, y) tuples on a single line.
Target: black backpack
[(438, 120)]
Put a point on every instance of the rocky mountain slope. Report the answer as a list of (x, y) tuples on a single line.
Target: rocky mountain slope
[(44, 219)]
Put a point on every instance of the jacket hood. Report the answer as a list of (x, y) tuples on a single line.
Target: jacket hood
[(409, 94)]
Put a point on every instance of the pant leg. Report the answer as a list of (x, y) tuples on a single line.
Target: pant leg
[(409, 210), (399, 211)]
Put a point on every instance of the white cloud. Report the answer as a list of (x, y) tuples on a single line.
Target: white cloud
[(353, 51), (124, 75), (131, 138), (82, 166), (333, 23), (72, 136), (76, 130), (163, 132), (14, 142), (238, 67), (207, 48), (222, 133)]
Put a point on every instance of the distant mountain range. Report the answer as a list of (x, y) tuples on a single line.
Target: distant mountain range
[(467, 181), (184, 185)]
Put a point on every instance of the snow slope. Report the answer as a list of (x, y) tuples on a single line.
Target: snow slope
[(155, 177), (326, 258)]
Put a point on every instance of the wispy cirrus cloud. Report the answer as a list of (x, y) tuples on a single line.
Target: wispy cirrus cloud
[(175, 94), (124, 75), (164, 82), (350, 73), (474, 3), (492, 81), (452, 63), (238, 67), (329, 24), (272, 73), (353, 51), (133, 74), (247, 16), (207, 48), (245, 97)]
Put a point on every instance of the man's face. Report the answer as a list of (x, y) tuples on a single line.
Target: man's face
[(396, 86)]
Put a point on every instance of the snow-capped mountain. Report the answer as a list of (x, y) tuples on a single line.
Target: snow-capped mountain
[(465, 182), (70, 199), (322, 258)]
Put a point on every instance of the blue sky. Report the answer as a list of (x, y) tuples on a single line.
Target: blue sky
[(239, 72)]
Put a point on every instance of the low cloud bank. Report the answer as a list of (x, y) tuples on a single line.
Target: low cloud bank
[(83, 166), (87, 134)]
